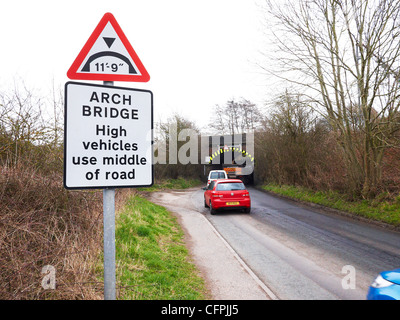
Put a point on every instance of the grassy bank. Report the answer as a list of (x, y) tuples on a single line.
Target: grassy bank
[(382, 208), (152, 260)]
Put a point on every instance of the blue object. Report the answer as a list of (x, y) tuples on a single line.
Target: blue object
[(386, 286)]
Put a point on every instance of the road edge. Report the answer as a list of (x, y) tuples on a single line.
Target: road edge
[(262, 285)]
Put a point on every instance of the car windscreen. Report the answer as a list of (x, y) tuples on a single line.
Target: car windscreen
[(230, 186), (217, 175)]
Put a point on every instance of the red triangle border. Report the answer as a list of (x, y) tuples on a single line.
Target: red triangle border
[(73, 70)]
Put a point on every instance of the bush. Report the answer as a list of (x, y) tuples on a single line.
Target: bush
[(42, 224)]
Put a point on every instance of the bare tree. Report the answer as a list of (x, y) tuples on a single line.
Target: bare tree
[(236, 117), (345, 54), (28, 133), (21, 121), (180, 136), (56, 123)]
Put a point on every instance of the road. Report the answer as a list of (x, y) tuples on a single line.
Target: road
[(296, 251)]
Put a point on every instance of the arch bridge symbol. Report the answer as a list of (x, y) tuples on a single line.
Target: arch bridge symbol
[(109, 42), (111, 47), (86, 67)]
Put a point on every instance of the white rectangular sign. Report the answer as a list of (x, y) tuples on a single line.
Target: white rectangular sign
[(108, 137)]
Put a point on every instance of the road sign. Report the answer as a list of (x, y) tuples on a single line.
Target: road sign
[(108, 56), (108, 137)]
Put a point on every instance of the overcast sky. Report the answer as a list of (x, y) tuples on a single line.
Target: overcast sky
[(198, 53)]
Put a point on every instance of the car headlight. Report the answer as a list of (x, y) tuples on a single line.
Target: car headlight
[(379, 282)]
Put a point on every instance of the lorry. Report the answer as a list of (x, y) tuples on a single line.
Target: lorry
[(230, 154)]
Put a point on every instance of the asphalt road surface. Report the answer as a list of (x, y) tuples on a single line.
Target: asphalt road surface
[(283, 249)]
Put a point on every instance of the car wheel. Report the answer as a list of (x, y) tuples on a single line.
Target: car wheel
[(212, 211), (205, 203), (247, 210)]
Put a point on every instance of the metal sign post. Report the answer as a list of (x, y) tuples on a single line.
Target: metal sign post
[(109, 238), (109, 243)]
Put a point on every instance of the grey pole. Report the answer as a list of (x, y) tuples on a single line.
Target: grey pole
[(109, 243), (109, 238)]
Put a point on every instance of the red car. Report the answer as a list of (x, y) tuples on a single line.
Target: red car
[(227, 194)]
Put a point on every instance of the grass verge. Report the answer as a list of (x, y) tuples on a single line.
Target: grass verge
[(152, 260), (379, 209), (179, 183)]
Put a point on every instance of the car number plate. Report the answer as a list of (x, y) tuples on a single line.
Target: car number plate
[(232, 203)]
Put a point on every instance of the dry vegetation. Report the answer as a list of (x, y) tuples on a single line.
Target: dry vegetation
[(41, 223)]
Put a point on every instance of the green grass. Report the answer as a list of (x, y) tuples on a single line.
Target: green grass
[(379, 209), (179, 183), (152, 259)]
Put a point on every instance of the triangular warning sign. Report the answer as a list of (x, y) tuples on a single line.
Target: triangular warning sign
[(108, 56)]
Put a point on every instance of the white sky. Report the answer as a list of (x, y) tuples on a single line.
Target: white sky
[(198, 53)]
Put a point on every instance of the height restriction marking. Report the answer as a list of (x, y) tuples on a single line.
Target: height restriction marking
[(108, 56)]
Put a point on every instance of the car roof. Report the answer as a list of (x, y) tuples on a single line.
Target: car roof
[(217, 171), (228, 180)]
